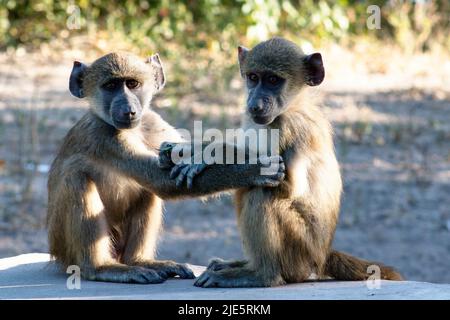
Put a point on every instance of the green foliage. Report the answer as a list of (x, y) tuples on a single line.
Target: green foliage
[(199, 36), (200, 23)]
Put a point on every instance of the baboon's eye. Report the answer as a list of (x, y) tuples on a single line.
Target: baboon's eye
[(252, 77), (111, 85), (132, 84), (273, 80)]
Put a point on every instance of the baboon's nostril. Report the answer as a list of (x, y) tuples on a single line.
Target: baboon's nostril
[(129, 114), (256, 108)]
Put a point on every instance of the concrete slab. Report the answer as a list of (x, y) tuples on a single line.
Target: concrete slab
[(34, 276)]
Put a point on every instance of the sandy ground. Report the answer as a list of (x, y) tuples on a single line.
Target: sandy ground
[(392, 125)]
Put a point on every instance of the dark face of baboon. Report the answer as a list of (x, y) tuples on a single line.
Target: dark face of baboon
[(275, 71), (119, 86)]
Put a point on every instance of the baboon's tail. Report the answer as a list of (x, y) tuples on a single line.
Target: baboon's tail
[(341, 266)]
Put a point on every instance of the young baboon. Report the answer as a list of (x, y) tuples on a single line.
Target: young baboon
[(287, 231), (105, 185)]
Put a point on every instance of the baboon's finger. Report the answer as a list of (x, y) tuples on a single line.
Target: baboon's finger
[(210, 283), (202, 279), (185, 272), (282, 166), (193, 172), (182, 175), (176, 170)]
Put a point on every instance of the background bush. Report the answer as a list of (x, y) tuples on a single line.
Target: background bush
[(198, 37), (221, 23)]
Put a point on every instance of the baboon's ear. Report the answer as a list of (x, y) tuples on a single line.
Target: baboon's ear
[(76, 79), (158, 70), (242, 54), (314, 70)]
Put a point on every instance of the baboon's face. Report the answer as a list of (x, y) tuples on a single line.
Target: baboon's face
[(275, 71), (265, 100), (123, 100), (119, 86)]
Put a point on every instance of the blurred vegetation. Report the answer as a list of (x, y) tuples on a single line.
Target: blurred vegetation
[(208, 23), (205, 32)]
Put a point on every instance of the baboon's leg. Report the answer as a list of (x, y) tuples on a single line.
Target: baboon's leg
[(260, 236), (143, 226), (279, 242), (89, 239)]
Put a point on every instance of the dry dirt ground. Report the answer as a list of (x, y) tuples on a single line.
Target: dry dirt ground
[(391, 116)]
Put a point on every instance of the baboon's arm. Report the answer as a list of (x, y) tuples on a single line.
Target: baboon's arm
[(217, 178)]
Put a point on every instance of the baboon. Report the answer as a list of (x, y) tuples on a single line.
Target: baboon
[(287, 231), (106, 185)]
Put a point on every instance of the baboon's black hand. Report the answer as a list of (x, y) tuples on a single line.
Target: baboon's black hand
[(272, 171), (165, 155), (181, 171)]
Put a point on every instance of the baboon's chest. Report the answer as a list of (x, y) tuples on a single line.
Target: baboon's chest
[(119, 192)]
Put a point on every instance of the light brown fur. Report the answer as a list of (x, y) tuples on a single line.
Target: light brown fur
[(295, 223), (105, 186), (287, 231)]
